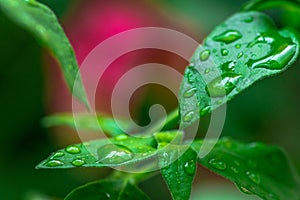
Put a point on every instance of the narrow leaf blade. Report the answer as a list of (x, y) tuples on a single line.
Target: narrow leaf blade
[(42, 23)]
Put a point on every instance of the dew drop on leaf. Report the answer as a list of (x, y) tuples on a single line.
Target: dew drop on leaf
[(222, 85), (248, 19), (217, 164), (228, 36), (188, 116), (57, 154), (240, 55), (190, 167), (205, 110), (206, 71), (228, 66), (72, 149), (238, 46), (54, 163), (190, 92), (114, 154), (245, 190), (204, 55), (224, 52), (78, 162), (121, 137), (282, 51), (253, 177)]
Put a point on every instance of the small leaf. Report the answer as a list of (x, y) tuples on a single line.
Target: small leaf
[(244, 49), (255, 168), (108, 189), (179, 174), (87, 122), (42, 23), (118, 151)]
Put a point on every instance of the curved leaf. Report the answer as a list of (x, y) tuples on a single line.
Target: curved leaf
[(244, 49), (255, 168), (108, 189), (42, 23), (86, 122), (118, 151)]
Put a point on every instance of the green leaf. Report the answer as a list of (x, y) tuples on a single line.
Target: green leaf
[(87, 122), (267, 4), (244, 49), (255, 168), (179, 174), (108, 189), (118, 151), (42, 23)]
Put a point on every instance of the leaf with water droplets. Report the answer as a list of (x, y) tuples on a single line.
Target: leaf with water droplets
[(42, 23), (244, 49), (118, 151), (120, 189), (255, 168), (178, 167), (87, 122)]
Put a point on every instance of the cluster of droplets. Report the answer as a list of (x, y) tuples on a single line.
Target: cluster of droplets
[(54, 160), (282, 51)]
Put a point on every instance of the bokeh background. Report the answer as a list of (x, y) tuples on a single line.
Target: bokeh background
[(32, 87)]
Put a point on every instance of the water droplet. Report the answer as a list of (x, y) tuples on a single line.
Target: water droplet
[(54, 163), (204, 55), (78, 162), (253, 177), (238, 46), (121, 137), (188, 116), (240, 55), (245, 190), (189, 93), (206, 71), (107, 195), (114, 154), (190, 167), (57, 154), (223, 85), (228, 36), (31, 2), (282, 51), (204, 111), (220, 101), (228, 66), (72, 149), (224, 52), (191, 74), (235, 170), (248, 19), (217, 164)]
